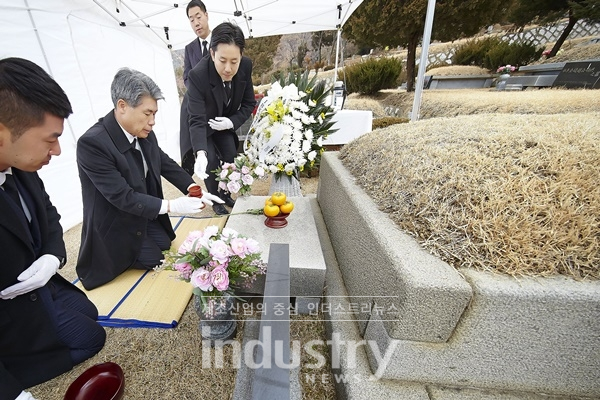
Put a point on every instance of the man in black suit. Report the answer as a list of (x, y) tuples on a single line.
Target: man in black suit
[(221, 99), (47, 325), (125, 221), (194, 52)]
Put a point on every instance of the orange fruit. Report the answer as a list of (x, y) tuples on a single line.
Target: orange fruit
[(287, 207), (271, 210), (278, 198)]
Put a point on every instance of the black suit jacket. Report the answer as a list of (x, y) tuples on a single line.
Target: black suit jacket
[(192, 56), (116, 205), (30, 350), (206, 100)]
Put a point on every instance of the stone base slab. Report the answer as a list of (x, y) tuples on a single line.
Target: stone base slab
[(307, 266)]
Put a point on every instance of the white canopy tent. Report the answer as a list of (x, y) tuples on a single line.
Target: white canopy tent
[(82, 44)]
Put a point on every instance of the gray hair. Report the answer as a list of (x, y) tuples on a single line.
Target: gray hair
[(131, 86)]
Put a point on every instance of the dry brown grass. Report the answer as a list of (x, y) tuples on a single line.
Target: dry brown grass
[(516, 194), (449, 103), (575, 52), (458, 70)]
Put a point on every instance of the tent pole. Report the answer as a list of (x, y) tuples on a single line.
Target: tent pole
[(337, 51), (423, 63)]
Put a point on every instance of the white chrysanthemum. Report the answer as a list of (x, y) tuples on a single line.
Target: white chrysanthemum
[(320, 141), (308, 134), (312, 155), (291, 92), (306, 145), (275, 91), (291, 167), (304, 107), (305, 119)]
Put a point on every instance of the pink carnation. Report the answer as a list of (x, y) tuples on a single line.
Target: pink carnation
[(219, 251), (210, 231), (185, 269), (233, 186), (235, 176), (220, 278), (238, 247), (201, 279), (252, 246), (228, 233), (247, 179), (188, 243)]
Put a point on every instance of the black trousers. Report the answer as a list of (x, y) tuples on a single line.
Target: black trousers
[(74, 316), (155, 242)]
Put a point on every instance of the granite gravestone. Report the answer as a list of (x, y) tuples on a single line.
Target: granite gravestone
[(580, 74)]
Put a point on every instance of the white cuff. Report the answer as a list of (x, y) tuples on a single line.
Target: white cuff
[(164, 207)]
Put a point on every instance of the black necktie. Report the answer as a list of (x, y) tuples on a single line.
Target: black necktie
[(204, 49), (138, 158), (228, 91), (10, 188)]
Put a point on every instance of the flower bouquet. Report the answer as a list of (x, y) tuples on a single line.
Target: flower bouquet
[(238, 177), (216, 263), (291, 122), (506, 69)]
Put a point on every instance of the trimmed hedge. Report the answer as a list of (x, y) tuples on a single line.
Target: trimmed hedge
[(370, 76), (384, 122), (491, 53)]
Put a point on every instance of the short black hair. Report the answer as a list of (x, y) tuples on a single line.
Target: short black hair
[(27, 92), (227, 33), (195, 3)]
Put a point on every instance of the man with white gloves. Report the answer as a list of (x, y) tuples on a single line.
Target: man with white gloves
[(220, 99), (125, 220), (47, 324)]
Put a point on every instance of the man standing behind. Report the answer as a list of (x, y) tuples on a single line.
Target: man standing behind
[(47, 324), (194, 52), (221, 99), (125, 221)]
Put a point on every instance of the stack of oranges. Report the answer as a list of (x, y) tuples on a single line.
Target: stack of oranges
[(277, 204)]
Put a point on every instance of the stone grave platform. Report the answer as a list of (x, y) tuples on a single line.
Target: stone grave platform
[(307, 264)]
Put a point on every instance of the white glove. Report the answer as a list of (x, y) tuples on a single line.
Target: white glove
[(208, 198), (220, 123), (34, 277), (186, 205), (200, 165), (25, 396)]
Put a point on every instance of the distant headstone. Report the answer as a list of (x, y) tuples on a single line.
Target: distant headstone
[(580, 74)]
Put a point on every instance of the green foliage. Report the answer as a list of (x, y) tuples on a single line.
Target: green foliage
[(387, 121), (588, 10), (491, 52), (473, 52), (370, 76), (513, 54), (260, 51)]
